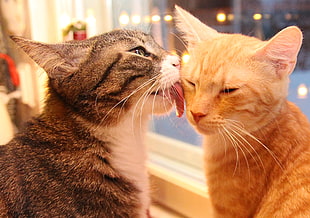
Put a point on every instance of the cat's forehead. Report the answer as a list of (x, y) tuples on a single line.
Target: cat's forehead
[(122, 34), (127, 39), (227, 45), (227, 51), (221, 60)]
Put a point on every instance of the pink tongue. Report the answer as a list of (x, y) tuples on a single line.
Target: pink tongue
[(179, 99)]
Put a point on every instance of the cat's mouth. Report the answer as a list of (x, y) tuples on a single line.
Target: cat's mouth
[(174, 93)]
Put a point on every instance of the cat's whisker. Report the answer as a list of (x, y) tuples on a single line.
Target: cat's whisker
[(179, 51), (243, 131), (142, 99), (241, 146), (148, 93), (124, 100), (235, 128), (180, 39), (139, 104), (169, 101), (241, 139), (235, 122), (235, 146), (264, 146), (222, 134), (153, 103)]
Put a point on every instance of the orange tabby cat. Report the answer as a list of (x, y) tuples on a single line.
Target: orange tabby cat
[(256, 143)]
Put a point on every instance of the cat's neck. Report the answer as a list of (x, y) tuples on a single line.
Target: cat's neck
[(289, 129), (127, 142), (128, 151), (289, 125)]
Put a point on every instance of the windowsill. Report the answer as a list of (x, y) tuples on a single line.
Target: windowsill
[(177, 178), (159, 211)]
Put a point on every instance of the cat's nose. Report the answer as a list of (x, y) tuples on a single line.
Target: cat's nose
[(177, 66), (175, 61), (198, 116)]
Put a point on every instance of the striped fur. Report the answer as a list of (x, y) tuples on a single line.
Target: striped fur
[(256, 143), (84, 156)]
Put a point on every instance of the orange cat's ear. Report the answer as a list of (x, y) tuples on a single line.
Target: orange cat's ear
[(58, 60), (193, 30), (282, 50)]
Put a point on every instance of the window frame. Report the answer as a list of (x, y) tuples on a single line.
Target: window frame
[(177, 181)]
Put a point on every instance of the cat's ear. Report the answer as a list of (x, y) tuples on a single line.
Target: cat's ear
[(282, 50), (58, 60), (192, 29)]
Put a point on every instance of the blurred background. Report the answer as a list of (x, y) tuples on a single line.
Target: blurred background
[(22, 83)]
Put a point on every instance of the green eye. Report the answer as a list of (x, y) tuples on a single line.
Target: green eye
[(140, 51)]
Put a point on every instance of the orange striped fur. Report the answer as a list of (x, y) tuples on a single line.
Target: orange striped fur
[(256, 143)]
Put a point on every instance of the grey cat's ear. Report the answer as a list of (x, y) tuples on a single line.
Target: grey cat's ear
[(193, 30), (282, 49), (58, 60)]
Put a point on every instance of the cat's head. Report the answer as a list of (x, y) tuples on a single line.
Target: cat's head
[(108, 76), (233, 79)]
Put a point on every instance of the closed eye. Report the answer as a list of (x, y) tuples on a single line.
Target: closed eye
[(140, 51), (229, 90), (190, 83)]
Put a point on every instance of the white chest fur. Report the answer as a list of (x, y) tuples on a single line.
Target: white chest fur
[(129, 153)]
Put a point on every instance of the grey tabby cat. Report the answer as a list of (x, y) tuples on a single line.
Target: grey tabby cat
[(84, 155)]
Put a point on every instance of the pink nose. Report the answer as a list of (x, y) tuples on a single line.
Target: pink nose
[(177, 65), (198, 116), (175, 61)]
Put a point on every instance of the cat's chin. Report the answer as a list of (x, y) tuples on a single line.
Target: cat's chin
[(206, 130)]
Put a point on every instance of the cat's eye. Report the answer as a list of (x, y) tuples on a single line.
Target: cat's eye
[(140, 51), (229, 90), (190, 83)]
